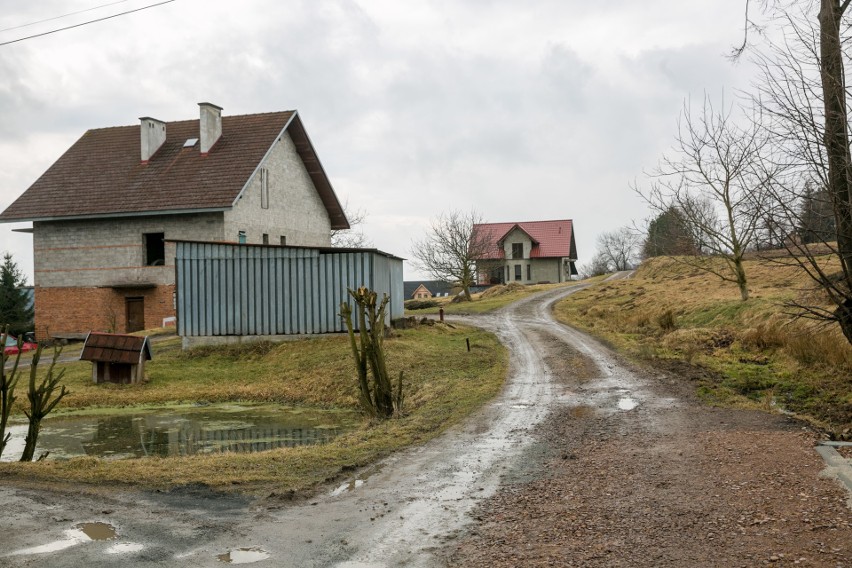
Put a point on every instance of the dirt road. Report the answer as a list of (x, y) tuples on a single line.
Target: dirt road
[(579, 461)]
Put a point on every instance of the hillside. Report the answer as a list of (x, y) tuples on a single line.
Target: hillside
[(753, 354)]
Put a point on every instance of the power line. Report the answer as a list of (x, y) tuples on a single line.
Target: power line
[(63, 16), (86, 23)]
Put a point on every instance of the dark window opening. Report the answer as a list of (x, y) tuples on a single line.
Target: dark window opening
[(529, 272), (265, 239), (155, 249), (517, 272), (517, 250), (283, 240)]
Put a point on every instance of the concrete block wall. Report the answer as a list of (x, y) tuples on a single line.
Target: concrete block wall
[(517, 236), (84, 309), (541, 270), (295, 208), (98, 252)]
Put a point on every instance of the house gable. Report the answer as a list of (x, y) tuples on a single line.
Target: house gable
[(281, 202)]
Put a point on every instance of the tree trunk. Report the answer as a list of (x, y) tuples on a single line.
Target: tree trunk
[(742, 282), (30, 442), (836, 136)]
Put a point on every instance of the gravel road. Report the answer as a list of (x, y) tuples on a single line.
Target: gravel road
[(580, 461)]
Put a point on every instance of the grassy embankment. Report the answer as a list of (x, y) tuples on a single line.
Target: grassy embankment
[(492, 299), (443, 384), (758, 355)]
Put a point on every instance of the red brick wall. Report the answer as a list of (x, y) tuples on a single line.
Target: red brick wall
[(80, 310)]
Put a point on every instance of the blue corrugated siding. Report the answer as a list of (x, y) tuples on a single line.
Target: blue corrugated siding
[(255, 290)]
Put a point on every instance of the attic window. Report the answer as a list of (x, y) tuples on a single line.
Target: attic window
[(190, 142), (517, 250), (155, 249)]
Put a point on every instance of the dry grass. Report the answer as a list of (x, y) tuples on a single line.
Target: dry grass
[(672, 311), (443, 384), (491, 299)]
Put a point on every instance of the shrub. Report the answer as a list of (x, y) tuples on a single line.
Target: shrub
[(666, 321), (420, 304)]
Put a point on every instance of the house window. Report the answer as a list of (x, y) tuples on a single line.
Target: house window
[(264, 188), (529, 272), (507, 274), (155, 249), (517, 250), (283, 240), (265, 238), (241, 236), (517, 272)]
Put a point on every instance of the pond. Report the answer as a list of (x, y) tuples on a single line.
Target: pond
[(182, 430)]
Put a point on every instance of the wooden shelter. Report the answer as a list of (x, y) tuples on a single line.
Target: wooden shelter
[(116, 358)]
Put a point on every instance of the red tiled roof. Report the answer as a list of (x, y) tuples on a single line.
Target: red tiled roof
[(550, 238), (102, 173), (115, 348)]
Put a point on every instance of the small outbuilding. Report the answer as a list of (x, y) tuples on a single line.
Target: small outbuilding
[(116, 358)]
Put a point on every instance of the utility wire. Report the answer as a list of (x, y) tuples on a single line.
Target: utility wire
[(62, 16), (86, 23)]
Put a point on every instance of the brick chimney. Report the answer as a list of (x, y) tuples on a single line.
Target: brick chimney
[(211, 125), (152, 135)]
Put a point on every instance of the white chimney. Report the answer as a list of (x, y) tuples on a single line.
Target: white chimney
[(211, 125), (152, 135)]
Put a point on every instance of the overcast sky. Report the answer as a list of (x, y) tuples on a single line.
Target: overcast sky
[(534, 110)]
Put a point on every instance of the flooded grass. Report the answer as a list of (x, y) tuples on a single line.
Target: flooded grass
[(444, 383), (184, 430)]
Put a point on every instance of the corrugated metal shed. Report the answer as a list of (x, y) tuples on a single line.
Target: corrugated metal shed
[(227, 289)]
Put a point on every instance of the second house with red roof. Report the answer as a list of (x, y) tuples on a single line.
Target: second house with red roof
[(527, 252)]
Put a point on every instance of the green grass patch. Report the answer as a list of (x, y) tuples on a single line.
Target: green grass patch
[(444, 383)]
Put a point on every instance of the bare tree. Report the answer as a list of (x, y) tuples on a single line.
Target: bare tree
[(354, 236), (803, 101), (618, 249), (717, 177), (804, 95), (598, 266), (451, 248)]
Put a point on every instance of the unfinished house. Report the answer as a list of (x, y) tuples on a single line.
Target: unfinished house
[(527, 252), (105, 215)]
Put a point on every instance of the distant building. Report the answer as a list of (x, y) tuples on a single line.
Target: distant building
[(527, 252), (426, 289)]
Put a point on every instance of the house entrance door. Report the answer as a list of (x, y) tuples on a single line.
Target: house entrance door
[(135, 314)]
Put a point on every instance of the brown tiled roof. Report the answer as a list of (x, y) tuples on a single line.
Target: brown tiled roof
[(115, 348), (102, 174), (549, 238)]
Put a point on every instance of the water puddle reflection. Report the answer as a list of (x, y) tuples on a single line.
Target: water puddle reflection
[(243, 556), (80, 534), (185, 430)]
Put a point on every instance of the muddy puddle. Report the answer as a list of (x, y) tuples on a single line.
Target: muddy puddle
[(243, 556), (183, 430)]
